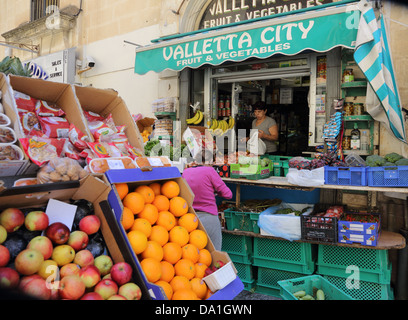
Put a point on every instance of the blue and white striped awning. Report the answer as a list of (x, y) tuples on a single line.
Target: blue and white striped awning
[(372, 55)]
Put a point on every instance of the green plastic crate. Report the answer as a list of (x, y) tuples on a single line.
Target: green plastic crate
[(331, 292), (249, 285), (267, 280), (238, 220), (239, 248), (364, 290), (372, 265), (284, 255), (244, 271)]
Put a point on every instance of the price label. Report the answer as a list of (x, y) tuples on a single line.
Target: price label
[(155, 162), (115, 164)]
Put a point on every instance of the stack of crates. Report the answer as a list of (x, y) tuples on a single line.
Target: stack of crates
[(240, 251), (364, 274), (277, 260)]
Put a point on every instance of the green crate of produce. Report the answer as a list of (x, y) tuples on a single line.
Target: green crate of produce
[(254, 216), (267, 280), (309, 285), (372, 265), (284, 255), (237, 220), (239, 247), (363, 290)]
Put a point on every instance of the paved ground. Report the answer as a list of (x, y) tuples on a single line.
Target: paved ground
[(248, 295)]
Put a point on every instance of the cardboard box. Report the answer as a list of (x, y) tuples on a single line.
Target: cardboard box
[(92, 188), (135, 177), (14, 167), (105, 102)]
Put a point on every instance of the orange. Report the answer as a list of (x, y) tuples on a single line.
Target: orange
[(138, 241), (161, 202), (122, 189), (167, 271), (205, 257), (198, 238), (190, 252), (184, 294), (179, 235), (168, 290), (146, 192), (159, 234), (134, 201), (152, 269), (170, 189), (153, 250), (155, 187), (188, 221), (199, 287), (127, 218), (142, 225), (149, 213), (166, 219), (209, 294), (186, 268), (180, 282), (172, 252), (178, 206), (200, 270)]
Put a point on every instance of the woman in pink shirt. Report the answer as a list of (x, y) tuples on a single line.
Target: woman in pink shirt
[(204, 181)]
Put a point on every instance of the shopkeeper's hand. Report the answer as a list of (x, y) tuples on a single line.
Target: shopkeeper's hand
[(261, 134)]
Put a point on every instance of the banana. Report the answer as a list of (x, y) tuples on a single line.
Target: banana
[(231, 123), (214, 124), (225, 126), (200, 118), (209, 123), (194, 119)]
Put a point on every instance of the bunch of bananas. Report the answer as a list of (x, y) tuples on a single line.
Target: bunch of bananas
[(198, 117), (220, 127)]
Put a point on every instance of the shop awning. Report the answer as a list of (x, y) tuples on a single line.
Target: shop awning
[(372, 54), (319, 30)]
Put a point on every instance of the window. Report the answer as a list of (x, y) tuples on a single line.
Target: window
[(39, 8)]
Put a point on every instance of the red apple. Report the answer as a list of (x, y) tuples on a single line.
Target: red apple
[(71, 288), (104, 263), (36, 221), (57, 232), (90, 224), (28, 261), (9, 278), (4, 256), (12, 219), (130, 291), (90, 276), (117, 297), (42, 244), (92, 296), (26, 279), (121, 272), (69, 270), (78, 240), (106, 288), (54, 288), (84, 258), (3, 234), (37, 288)]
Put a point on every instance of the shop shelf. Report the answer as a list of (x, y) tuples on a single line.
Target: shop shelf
[(238, 247), (267, 280), (372, 265), (307, 284), (347, 176), (284, 255), (363, 290), (387, 176)]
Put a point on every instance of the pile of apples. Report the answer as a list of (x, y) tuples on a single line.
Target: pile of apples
[(57, 264)]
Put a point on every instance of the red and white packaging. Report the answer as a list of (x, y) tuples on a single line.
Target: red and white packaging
[(54, 127), (29, 121), (43, 109), (104, 150), (41, 150), (25, 102), (77, 138), (69, 151)]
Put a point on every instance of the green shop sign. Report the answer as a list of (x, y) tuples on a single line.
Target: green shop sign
[(318, 34)]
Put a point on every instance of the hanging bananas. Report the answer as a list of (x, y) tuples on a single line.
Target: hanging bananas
[(220, 127), (198, 117)]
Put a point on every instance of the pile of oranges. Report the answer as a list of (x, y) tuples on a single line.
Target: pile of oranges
[(166, 239)]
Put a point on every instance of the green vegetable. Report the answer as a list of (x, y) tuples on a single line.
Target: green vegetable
[(307, 297), (402, 162), (299, 294), (392, 157), (375, 161), (320, 295), (389, 164)]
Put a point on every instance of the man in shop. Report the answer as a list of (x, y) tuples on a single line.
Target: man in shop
[(266, 126)]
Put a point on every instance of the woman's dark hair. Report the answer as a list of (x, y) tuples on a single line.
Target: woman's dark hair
[(259, 105), (204, 157)]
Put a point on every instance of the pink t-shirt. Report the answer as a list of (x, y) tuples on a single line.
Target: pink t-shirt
[(204, 182)]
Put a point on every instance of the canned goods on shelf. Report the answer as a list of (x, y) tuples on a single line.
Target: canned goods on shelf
[(348, 109), (358, 109)]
